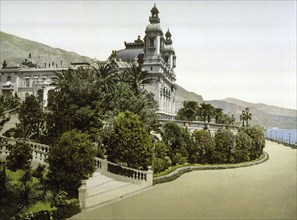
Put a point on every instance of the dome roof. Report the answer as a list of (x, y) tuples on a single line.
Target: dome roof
[(154, 28), (168, 48), (129, 55)]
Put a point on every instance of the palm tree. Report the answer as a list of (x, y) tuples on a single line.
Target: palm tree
[(137, 78), (189, 111), (232, 119), (242, 117), (245, 117), (206, 110), (218, 113), (107, 77), (248, 116)]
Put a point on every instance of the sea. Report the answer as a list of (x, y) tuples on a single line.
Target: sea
[(283, 135)]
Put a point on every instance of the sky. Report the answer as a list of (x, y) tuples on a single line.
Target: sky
[(240, 49)]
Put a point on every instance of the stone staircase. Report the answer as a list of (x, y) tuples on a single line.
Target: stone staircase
[(101, 190)]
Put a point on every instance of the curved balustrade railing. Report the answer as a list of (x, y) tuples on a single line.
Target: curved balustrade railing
[(123, 173), (40, 154)]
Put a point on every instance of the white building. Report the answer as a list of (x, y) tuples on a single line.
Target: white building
[(156, 55)]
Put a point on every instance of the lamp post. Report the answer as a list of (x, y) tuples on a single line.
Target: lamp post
[(289, 138), (282, 137)]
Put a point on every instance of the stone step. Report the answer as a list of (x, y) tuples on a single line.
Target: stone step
[(105, 187), (112, 194), (97, 179)]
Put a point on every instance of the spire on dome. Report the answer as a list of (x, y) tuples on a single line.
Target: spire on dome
[(154, 19), (168, 40)]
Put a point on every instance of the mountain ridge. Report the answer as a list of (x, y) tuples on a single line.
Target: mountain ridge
[(268, 116)]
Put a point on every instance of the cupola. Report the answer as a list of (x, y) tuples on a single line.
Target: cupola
[(154, 19)]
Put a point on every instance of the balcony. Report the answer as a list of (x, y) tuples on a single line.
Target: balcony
[(7, 86)]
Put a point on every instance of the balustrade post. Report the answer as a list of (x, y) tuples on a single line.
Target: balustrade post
[(149, 177), (104, 164), (82, 194)]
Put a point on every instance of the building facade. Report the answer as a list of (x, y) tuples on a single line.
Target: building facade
[(156, 55), (28, 79)]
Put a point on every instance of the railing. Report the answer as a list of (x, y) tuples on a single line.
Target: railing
[(40, 154), (122, 173), (39, 151), (199, 125), (126, 172)]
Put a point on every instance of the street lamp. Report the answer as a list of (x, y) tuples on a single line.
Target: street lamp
[(282, 137), (289, 138)]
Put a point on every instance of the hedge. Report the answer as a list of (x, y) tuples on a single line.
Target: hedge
[(180, 171)]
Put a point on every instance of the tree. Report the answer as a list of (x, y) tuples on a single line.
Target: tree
[(137, 78), (3, 183), (218, 112), (71, 159), (206, 110), (256, 133), (130, 142), (224, 144), (172, 136), (107, 77), (245, 117), (161, 159), (31, 118), (142, 104), (189, 111), (4, 65), (202, 151), (243, 147), (76, 103), (20, 156)]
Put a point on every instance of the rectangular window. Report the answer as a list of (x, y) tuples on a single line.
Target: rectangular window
[(27, 81), (151, 42)]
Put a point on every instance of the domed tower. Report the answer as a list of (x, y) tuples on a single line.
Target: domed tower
[(168, 51), (153, 38), (159, 61)]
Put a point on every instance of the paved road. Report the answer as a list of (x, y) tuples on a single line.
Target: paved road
[(265, 191)]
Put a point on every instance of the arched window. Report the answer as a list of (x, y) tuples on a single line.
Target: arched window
[(26, 95), (8, 78)]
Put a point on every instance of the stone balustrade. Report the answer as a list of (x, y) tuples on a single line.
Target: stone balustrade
[(122, 173), (107, 168), (39, 151), (200, 125)]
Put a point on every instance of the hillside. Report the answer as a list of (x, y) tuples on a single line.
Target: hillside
[(15, 49), (183, 95), (266, 115)]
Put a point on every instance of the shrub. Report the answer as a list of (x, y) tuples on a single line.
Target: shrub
[(130, 142), (258, 140), (71, 159), (20, 156), (161, 160), (243, 147), (202, 151), (224, 143), (66, 208), (173, 137)]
